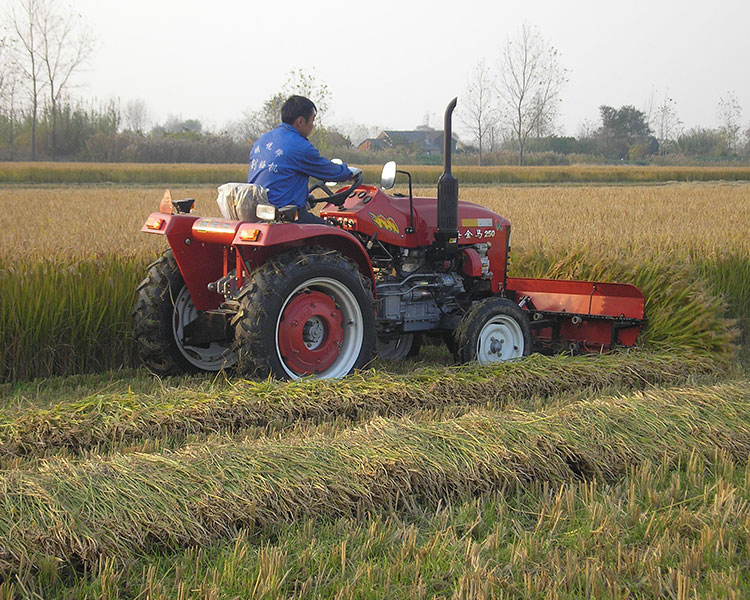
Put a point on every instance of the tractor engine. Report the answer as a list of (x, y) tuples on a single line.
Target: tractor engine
[(419, 301)]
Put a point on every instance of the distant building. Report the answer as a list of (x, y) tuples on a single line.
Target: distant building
[(424, 141), (372, 145)]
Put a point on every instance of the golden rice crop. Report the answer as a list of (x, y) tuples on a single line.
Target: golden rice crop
[(57, 224), (76, 317), (65, 512), (643, 221), (703, 219)]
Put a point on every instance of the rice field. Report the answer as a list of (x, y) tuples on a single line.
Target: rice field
[(131, 173), (680, 242), (688, 219), (613, 476)]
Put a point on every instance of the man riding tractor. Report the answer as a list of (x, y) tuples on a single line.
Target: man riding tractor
[(282, 160)]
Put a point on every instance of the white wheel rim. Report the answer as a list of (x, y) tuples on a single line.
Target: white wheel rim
[(501, 339), (353, 326), (213, 358)]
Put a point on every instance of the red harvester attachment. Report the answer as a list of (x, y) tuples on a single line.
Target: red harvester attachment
[(580, 315)]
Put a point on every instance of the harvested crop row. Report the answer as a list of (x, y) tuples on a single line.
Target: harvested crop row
[(663, 531), (105, 419), (76, 512)]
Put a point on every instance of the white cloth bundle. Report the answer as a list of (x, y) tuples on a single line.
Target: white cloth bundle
[(238, 200)]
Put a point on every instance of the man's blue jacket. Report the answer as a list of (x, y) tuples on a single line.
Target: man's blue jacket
[(282, 160)]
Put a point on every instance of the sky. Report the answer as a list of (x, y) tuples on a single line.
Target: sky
[(397, 64)]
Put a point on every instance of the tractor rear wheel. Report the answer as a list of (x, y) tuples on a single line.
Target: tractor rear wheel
[(162, 310), (305, 313), (493, 330)]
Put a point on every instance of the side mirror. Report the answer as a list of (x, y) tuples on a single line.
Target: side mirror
[(388, 176)]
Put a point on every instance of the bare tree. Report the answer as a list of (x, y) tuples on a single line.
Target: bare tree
[(54, 44), (544, 125), (65, 44), (25, 18), (307, 84), (730, 113), (10, 81), (478, 107), (136, 116), (530, 81), (5, 62), (255, 123), (667, 124), (493, 137), (586, 129)]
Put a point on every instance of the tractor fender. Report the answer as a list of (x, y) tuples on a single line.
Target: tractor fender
[(258, 242)]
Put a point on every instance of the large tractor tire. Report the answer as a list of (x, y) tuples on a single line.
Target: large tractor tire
[(162, 309), (493, 330), (305, 313)]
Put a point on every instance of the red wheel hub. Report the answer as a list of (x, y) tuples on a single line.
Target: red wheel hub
[(310, 333)]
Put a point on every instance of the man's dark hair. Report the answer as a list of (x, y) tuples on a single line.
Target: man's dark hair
[(297, 106)]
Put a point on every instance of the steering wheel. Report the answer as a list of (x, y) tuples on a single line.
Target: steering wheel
[(337, 198)]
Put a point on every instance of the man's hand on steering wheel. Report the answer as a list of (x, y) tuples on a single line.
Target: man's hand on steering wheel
[(337, 198)]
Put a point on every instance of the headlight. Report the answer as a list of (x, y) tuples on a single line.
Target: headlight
[(265, 212)]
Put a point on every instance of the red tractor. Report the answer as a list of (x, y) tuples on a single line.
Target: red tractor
[(278, 298)]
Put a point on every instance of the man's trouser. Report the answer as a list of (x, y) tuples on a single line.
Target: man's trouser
[(305, 216)]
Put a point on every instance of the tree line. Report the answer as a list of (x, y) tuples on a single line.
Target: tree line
[(509, 112), (514, 108)]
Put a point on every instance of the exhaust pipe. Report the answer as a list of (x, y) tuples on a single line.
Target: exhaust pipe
[(446, 236)]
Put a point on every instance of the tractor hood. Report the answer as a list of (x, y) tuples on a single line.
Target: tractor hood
[(370, 210)]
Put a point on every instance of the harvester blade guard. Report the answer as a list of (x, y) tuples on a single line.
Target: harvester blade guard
[(585, 316)]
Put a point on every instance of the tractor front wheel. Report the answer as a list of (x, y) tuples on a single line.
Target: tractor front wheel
[(305, 314), (162, 310), (493, 330)]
